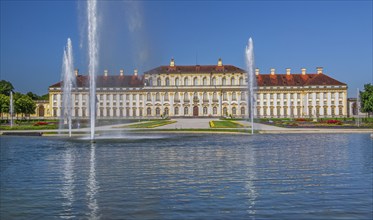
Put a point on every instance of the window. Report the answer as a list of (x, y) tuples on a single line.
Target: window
[(167, 81), (242, 96), (157, 111), (225, 112), (176, 97), (195, 96), (205, 97), (278, 111), (177, 81), (242, 110), (225, 96), (205, 110), (325, 110), (195, 81), (185, 81), (176, 110), (185, 110), (134, 112), (214, 81), (148, 111), (234, 111), (108, 112), (140, 112), (241, 81), (150, 81), (205, 81), (166, 96), (134, 96), (233, 81), (159, 82), (224, 81), (148, 97), (127, 112), (234, 96), (157, 97), (140, 97), (166, 111), (215, 110), (340, 111), (215, 96), (186, 98)]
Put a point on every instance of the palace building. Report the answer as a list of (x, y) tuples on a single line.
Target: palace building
[(205, 91)]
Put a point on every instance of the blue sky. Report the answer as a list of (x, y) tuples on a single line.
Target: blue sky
[(336, 35)]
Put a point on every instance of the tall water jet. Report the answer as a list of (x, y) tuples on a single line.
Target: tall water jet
[(69, 82), (93, 60), (11, 110), (251, 80)]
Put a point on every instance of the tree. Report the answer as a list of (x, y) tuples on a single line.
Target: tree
[(4, 104), (6, 87), (366, 98), (33, 96), (25, 105)]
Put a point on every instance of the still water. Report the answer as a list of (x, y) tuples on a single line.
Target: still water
[(309, 176)]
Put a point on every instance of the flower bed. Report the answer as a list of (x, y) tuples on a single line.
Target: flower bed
[(40, 123)]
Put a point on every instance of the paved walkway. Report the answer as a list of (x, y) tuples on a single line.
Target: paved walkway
[(189, 123)]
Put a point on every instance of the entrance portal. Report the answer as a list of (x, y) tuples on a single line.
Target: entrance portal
[(195, 111)]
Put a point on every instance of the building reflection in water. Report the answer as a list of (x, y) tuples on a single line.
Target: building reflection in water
[(92, 185), (67, 190)]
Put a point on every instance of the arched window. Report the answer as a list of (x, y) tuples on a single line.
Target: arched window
[(159, 82), (157, 111), (241, 81), (234, 111), (186, 81), (234, 96), (185, 110), (148, 111), (186, 98), (242, 110), (215, 110), (176, 110), (176, 96), (233, 81), (148, 97), (205, 96), (167, 81), (205, 81), (224, 81), (214, 81), (195, 81), (166, 111), (225, 112), (215, 96), (166, 98), (177, 81), (205, 110), (157, 97)]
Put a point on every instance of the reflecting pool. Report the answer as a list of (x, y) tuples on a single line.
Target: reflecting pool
[(191, 176)]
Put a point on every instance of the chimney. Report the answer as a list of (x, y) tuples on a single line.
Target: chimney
[(76, 71), (135, 72), (257, 71), (319, 70), (172, 62), (121, 72), (303, 71), (106, 72), (220, 62), (287, 71), (272, 71)]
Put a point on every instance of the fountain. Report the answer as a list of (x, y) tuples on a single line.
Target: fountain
[(251, 80), (69, 82), (11, 110), (93, 60)]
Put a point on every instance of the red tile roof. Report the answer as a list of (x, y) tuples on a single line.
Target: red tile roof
[(195, 69), (296, 80), (108, 81)]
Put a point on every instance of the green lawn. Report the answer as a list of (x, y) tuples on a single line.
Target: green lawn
[(29, 127), (150, 124), (225, 124)]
